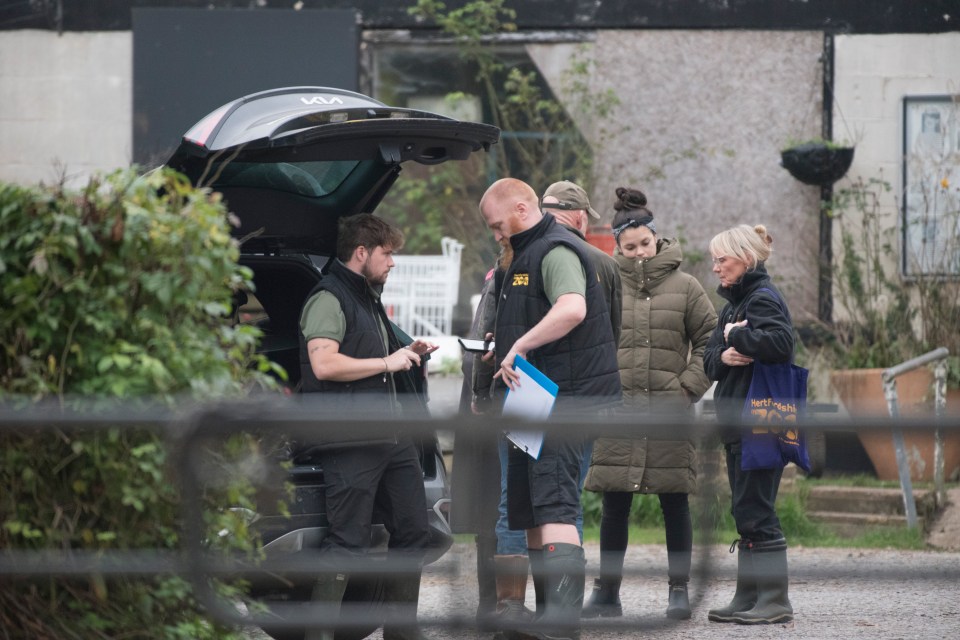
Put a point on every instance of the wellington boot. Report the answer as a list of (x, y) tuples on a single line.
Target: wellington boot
[(678, 604), (511, 616), (486, 581), (536, 571), (325, 599), (401, 594), (770, 567), (746, 594), (563, 570), (604, 600)]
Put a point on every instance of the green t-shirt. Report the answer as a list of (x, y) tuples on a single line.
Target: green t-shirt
[(562, 273), (322, 317)]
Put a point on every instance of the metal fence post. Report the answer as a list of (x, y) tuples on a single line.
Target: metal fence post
[(903, 465), (940, 409)]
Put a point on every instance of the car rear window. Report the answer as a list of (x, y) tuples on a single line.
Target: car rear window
[(313, 179)]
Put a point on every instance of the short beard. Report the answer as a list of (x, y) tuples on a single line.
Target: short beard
[(371, 279), (506, 256)]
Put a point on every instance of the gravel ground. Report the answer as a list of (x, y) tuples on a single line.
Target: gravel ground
[(837, 594)]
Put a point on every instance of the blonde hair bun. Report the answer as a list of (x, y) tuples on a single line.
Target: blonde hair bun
[(761, 231)]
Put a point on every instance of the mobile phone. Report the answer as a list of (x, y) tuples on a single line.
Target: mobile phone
[(475, 346)]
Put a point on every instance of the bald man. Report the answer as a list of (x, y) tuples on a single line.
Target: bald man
[(552, 312)]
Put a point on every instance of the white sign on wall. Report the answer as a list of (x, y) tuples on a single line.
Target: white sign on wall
[(931, 191)]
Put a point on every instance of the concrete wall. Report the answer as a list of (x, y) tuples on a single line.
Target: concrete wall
[(66, 107), (702, 119)]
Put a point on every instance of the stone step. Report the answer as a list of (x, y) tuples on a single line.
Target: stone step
[(868, 500), (847, 524)]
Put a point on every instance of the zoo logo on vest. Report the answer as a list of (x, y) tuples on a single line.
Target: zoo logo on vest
[(521, 279)]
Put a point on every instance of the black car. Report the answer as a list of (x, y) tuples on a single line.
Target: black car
[(290, 162)]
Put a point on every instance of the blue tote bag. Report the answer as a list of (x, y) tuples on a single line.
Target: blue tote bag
[(775, 404)]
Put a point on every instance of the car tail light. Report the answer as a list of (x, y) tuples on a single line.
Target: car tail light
[(199, 133)]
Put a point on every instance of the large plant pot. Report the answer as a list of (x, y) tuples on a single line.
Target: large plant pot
[(861, 392)]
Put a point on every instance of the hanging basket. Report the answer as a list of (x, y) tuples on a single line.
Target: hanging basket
[(816, 163)]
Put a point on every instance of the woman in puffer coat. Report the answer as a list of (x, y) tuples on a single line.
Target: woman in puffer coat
[(667, 320)]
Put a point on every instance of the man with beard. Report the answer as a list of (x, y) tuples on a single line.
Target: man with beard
[(504, 559), (350, 354), (551, 311)]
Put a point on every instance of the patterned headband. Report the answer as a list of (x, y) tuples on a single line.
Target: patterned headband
[(633, 223)]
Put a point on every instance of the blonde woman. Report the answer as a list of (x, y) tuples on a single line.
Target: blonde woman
[(754, 325)]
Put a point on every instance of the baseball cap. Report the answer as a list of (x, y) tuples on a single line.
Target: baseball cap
[(569, 196)]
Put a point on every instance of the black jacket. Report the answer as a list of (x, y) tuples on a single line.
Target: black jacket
[(768, 337), (583, 363)]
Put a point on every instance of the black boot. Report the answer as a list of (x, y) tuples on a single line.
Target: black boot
[(604, 600), (564, 566), (325, 598), (746, 594), (486, 581), (678, 603), (678, 570), (401, 593), (770, 567)]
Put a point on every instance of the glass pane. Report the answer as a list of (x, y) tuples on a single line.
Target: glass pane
[(931, 201), (313, 179)]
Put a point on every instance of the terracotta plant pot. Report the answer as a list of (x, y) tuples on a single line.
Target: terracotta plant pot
[(861, 391)]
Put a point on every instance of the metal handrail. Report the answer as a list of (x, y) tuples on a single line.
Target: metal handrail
[(889, 376)]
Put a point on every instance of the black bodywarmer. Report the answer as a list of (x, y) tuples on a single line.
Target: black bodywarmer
[(583, 363), (363, 338)]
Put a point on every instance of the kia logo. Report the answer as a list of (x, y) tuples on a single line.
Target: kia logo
[(321, 100)]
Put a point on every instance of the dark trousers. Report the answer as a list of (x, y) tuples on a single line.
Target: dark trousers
[(545, 490), (615, 524), (753, 498), (385, 480)]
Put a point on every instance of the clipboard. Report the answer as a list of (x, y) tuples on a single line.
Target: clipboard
[(532, 400)]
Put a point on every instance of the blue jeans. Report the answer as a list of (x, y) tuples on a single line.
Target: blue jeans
[(515, 542)]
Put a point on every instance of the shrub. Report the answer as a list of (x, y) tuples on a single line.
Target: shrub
[(120, 291)]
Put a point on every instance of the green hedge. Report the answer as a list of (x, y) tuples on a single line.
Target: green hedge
[(121, 290)]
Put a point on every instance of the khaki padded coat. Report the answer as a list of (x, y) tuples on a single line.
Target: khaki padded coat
[(667, 321)]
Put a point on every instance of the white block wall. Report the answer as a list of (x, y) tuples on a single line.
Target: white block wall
[(66, 104), (873, 73)]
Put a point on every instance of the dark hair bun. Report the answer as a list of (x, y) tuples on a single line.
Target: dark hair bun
[(629, 199)]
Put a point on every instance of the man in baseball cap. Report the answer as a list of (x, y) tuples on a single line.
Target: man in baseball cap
[(567, 196)]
